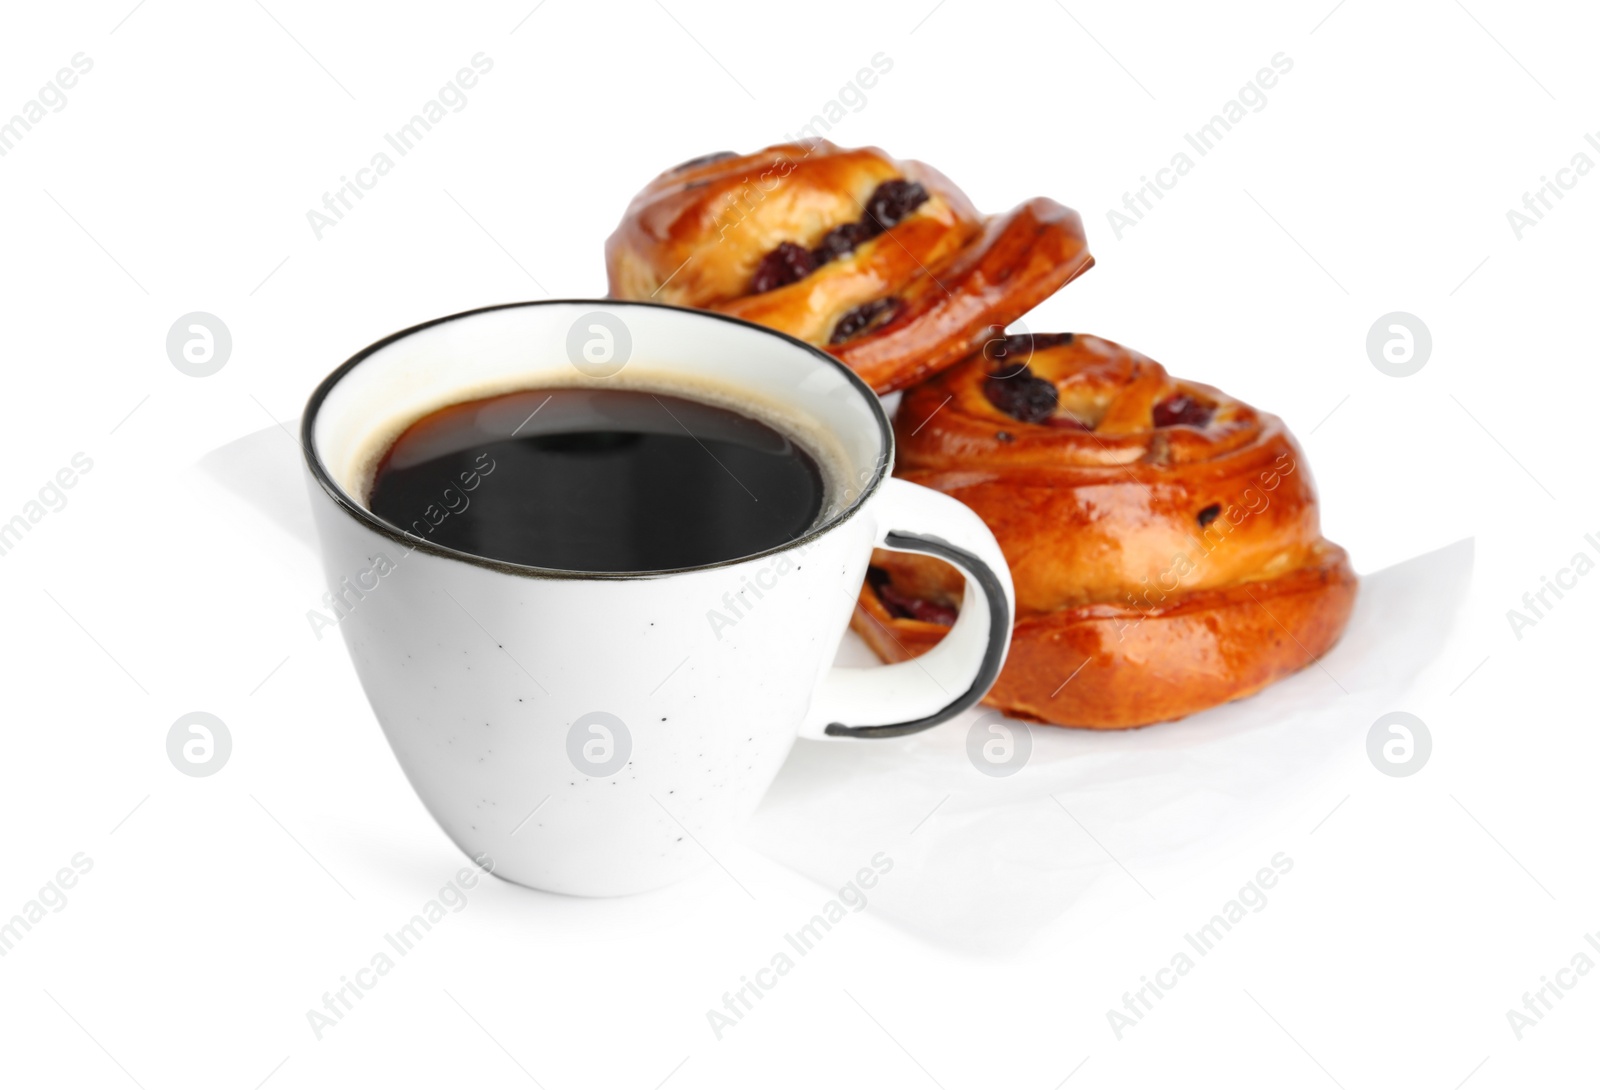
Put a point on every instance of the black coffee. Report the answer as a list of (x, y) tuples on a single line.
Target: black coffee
[(598, 480)]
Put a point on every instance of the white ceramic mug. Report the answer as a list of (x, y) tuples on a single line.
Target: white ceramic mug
[(600, 733)]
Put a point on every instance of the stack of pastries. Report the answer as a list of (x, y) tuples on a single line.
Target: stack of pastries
[(1163, 537)]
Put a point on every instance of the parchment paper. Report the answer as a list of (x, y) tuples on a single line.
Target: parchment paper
[(985, 863)]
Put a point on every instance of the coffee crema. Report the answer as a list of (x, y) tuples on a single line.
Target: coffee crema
[(599, 480)]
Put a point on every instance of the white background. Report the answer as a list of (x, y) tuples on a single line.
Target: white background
[(218, 910)]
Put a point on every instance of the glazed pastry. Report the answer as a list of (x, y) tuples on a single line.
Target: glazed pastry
[(884, 263), (1163, 537)]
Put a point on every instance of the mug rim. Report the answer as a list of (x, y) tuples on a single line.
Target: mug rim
[(361, 514)]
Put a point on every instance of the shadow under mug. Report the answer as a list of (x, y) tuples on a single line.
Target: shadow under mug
[(600, 733)]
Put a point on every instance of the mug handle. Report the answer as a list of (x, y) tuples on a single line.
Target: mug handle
[(959, 670)]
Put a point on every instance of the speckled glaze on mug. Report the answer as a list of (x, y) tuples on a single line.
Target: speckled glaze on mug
[(602, 733)]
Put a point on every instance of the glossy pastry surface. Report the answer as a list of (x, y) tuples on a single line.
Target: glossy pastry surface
[(882, 262), (1163, 537)]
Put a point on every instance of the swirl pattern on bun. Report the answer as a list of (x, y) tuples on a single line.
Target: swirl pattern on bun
[(1163, 537), (882, 262)]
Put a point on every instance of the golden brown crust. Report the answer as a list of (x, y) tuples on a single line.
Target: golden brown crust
[(1180, 566), (697, 234), (1107, 667)]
